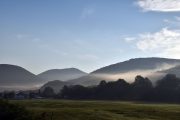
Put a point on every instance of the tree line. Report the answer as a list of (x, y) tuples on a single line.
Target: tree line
[(165, 90)]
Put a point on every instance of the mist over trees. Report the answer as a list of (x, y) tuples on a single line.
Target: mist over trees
[(166, 89), (142, 89), (48, 92)]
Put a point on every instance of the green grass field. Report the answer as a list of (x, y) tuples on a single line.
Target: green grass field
[(100, 110)]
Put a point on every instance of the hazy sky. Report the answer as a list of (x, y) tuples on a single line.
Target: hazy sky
[(86, 34)]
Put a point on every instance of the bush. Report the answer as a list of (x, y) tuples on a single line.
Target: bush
[(10, 111)]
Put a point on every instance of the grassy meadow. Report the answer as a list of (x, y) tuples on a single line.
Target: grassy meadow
[(100, 110)]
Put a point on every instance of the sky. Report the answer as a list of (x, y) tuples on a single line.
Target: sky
[(86, 34)]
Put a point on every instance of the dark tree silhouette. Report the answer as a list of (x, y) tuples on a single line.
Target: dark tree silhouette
[(13, 112), (141, 88), (166, 90), (9, 95), (48, 92)]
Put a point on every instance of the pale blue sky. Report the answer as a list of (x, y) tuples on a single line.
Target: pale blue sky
[(86, 34)]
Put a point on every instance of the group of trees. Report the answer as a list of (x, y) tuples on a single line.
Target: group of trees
[(13, 111), (9, 111), (19, 94), (142, 89), (48, 92), (165, 90)]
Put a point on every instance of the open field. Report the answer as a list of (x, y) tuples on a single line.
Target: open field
[(100, 110)]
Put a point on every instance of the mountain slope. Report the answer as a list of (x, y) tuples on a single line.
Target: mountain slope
[(147, 67), (57, 85), (138, 64), (11, 75), (174, 70), (62, 74), (88, 80), (14, 76)]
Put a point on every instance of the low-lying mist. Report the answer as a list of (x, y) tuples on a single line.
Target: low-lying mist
[(153, 74), (94, 78), (19, 87)]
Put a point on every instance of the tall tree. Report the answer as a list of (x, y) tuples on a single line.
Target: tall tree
[(48, 92)]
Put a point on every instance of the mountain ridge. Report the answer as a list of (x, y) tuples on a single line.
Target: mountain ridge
[(130, 68), (61, 74), (159, 59)]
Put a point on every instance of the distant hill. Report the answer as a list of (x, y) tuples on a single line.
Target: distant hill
[(154, 68), (174, 70), (12, 76), (57, 85), (138, 64), (59, 77), (88, 80), (61, 74), (147, 67)]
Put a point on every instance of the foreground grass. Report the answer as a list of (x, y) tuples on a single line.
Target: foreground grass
[(100, 110)]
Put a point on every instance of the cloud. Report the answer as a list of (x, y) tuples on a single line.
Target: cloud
[(22, 36), (129, 39), (164, 43), (159, 5), (177, 18), (173, 22), (36, 40), (28, 37), (51, 49), (28, 40), (87, 12)]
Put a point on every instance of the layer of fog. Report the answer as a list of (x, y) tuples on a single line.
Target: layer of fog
[(19, 87), (129, 76)]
